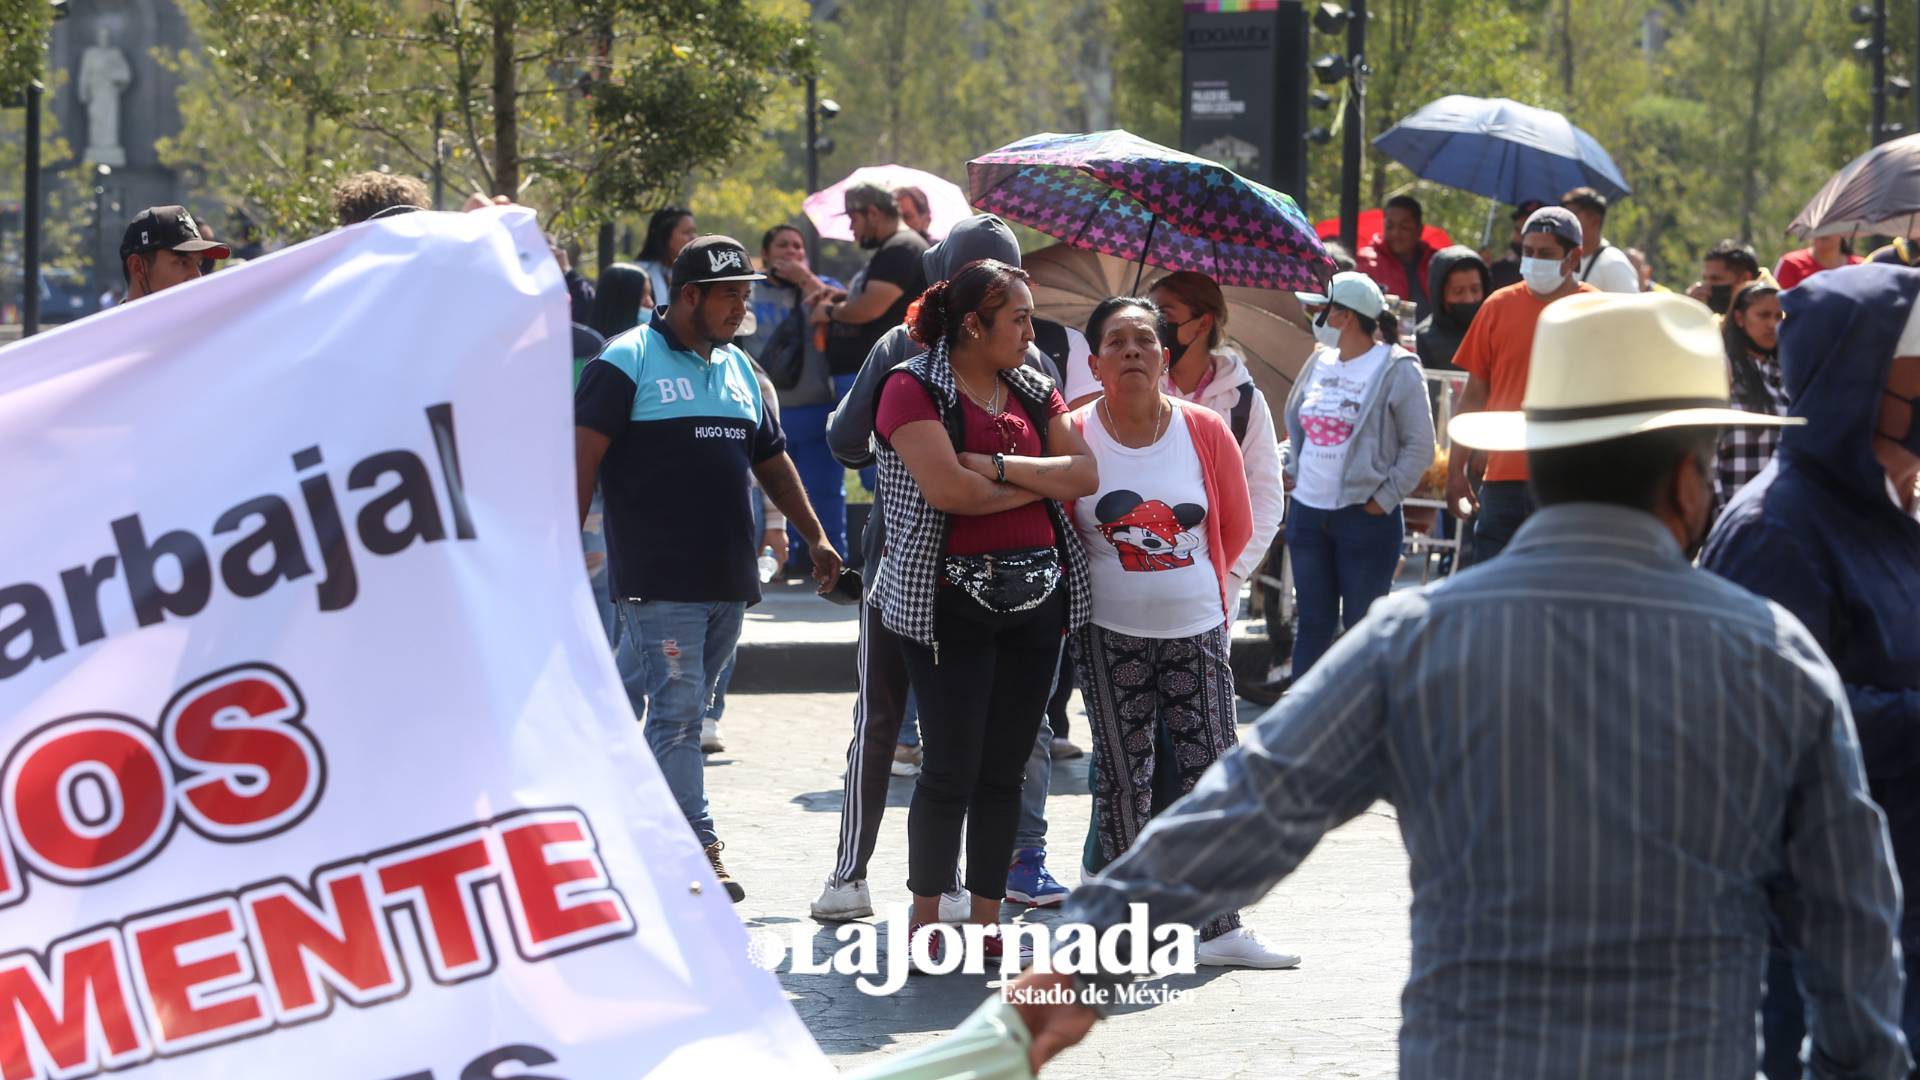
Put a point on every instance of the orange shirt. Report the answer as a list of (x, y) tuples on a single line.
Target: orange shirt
[(1498, 348)]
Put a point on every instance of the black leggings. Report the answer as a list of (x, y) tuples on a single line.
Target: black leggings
[(980, 709)]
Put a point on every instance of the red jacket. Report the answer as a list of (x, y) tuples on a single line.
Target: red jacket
[(1223, 474), (1380, 264)]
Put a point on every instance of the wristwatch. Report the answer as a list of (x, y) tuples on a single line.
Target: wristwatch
[(831, 304), (1000, 467)]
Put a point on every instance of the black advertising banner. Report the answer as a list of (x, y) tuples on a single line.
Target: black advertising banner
[(1243, 88)]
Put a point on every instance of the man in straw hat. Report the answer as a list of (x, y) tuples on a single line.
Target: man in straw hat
[(1613, 771), (1828, 531)]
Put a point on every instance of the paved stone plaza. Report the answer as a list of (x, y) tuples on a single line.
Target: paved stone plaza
[(776, 796)]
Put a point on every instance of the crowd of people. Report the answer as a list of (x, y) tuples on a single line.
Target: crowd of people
[(1656, 753)]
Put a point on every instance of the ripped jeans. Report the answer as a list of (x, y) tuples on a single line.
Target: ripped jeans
[(683, 649)]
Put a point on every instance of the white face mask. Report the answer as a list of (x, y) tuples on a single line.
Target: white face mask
[(1543, 276), (1324, 334)]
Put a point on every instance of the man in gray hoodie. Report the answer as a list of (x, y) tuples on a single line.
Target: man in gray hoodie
[(880, 708)]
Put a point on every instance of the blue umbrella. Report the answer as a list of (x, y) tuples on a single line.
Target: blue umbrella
[(1501, 149)]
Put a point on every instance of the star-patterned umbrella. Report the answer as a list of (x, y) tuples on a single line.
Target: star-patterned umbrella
[(1118, 194)]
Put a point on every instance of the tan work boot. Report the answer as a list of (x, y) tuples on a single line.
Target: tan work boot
[(735, 891)]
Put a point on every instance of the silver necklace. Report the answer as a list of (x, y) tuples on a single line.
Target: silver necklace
[(1159, 424), (991, 406)]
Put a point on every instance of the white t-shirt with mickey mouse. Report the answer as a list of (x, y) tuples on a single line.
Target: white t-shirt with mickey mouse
[(1145, 531), (1330, 411)]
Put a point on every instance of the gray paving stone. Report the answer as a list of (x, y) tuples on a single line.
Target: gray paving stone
[(776, 797)]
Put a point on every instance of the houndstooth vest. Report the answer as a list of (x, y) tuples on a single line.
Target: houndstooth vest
[(909, 577)]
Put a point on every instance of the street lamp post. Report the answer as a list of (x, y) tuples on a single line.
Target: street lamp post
[(30, 219), (818, 143), (100, 174), (1353, 126), (1878, 58)]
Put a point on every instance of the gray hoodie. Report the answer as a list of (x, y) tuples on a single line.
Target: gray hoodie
[(850, 428), (1392, 441)]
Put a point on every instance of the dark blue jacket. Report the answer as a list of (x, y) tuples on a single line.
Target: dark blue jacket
[(1818, 532)]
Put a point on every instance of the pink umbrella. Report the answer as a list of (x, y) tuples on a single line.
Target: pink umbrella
[(945, 201)]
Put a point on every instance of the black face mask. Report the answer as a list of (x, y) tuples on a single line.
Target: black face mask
[(1719, 298), (1462, 314), (1170, 336)]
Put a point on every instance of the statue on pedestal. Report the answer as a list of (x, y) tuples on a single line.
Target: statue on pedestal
[(104, 76)]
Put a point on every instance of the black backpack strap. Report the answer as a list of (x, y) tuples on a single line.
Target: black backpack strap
[(1241, 414)]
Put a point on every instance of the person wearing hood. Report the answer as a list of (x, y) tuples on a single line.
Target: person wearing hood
[(1828, 531), (1461, 280), (1359, 434), (879, 710)]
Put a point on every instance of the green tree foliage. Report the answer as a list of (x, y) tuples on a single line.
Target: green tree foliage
[(23, 45), (585, 108), (66, 213)]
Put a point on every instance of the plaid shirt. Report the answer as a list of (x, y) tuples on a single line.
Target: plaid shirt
[(910, 569), (1745, 451)]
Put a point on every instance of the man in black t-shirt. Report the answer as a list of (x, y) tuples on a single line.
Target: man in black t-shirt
[(880, 295)]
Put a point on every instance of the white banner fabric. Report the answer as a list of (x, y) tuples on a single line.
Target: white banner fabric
[(316, 762)]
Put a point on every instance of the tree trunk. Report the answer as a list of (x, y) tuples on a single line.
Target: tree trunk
[(1749, 189), (1566, 49), (506, 118)]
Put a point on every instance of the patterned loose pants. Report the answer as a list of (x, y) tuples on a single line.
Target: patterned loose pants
[(1135, 689)]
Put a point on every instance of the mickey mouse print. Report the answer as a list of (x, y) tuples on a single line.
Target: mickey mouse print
[(1148, 534)]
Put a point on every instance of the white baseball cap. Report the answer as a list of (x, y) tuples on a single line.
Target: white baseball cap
[(1349, 289)]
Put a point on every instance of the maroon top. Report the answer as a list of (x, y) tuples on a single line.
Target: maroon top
[(903, 400)]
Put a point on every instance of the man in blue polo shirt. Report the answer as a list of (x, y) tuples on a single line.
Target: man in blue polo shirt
[(670, 420)]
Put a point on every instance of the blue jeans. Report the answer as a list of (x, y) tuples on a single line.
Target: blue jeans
[(626, 649), (683, 648), (910, 723), (823, 477), (1032, 830), (842, 384), (1343, 560), (717, 707), (1504, 506)]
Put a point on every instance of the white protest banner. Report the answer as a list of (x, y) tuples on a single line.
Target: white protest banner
[(316, 763)]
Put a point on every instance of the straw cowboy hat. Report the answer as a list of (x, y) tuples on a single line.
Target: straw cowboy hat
[(1608, 365)]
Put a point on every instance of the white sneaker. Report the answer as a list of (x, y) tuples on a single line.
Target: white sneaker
[(710, 737), (906, 761), (1241, 948), (842, 901), (956, 906)]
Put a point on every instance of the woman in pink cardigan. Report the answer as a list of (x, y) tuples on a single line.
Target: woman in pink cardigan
[(1162, 533)]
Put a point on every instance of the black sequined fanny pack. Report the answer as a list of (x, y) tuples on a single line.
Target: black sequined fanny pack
[(1006, 582)]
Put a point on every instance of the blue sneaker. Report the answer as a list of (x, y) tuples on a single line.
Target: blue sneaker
[(1029, 883)]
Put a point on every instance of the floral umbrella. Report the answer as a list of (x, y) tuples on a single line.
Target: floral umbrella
[(1115, 193)]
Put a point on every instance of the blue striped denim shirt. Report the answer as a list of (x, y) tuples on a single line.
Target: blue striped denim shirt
[(1613, 772)]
